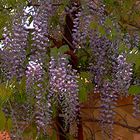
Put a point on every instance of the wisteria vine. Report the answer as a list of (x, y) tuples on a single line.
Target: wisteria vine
[(26, 51)]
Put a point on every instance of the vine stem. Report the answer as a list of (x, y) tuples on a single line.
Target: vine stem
[(135, 129)]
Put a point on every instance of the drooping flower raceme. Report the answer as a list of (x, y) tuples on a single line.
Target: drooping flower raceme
[(123, 75), (13, 54), (40, 33), (35, 81), (14, 50), (64, 88), (76, 34), (101, 69), (108, 102), (112, 75), (136, 103), (71, 103)]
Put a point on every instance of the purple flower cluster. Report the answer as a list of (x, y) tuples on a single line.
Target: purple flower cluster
[(76, 34), (40, 33), (136, 103), (64, 88), (21, 115), (136, 40), (127, 40), (108, 102), (132, 41), (111, 73), (102, 55), (35, 81), (123, 75), (71, 104), (14, 53)]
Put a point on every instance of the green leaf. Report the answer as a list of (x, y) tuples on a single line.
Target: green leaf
[(5, 93), (54, 52), (134, 89), (2, 120), (82, 93), (62, 7), (137, 72), (110, 2), (85, 85), (54, 20), (101, 30), (11, 2), (85, 75), (54, 110), (63, 49), (54, 136), (122, 48), (22, 85), (113, 33), (30, 132), (134, 57), (93, 25), (127, 5), (108, 22)]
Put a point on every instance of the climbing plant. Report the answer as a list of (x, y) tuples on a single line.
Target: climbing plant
[(54, 53)]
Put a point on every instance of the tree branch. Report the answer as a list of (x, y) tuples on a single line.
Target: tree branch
[(132, 128)]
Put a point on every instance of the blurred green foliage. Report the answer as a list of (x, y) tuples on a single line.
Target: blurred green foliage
[(7, 9)]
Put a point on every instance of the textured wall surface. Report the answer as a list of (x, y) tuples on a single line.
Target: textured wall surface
[(124, 128)]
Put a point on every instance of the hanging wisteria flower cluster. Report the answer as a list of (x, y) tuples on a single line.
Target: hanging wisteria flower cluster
[(32, 61), (64, 88), (34, 76), (40, 33), (112, 75), (62, 78), (15, 45)]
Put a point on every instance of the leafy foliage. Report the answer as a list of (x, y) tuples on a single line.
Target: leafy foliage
[(72, 49)]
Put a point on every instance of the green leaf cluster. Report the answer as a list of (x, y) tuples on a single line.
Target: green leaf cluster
[(134, 57), (134, 90), (59, 51), (5, 93), (85, 85)]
